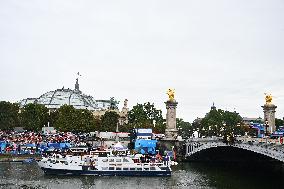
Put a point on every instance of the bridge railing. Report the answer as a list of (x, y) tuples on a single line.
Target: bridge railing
[(267, 147)]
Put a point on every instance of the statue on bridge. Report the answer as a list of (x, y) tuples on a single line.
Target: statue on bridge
[(268, 98), (171, 94)]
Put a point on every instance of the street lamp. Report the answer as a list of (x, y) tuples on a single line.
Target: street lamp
[(266, 133), (266, 126)]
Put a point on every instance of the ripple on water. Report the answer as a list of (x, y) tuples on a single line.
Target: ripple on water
[(17, 175)]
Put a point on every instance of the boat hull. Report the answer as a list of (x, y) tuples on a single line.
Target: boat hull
[(163, 173)]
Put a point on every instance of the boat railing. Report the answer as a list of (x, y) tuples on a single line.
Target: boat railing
[(151, 164)]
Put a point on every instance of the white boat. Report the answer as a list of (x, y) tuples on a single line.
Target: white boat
[(104, 163)]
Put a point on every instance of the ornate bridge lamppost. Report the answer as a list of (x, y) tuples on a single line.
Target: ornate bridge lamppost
[(266, 133), (266, 124)]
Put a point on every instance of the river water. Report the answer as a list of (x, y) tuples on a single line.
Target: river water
[(185, 175)]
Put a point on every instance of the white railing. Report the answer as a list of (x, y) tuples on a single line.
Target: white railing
[(267, 147)]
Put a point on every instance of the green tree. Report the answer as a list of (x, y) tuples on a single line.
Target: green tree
[(279, 122), (185, 129), (146, 116), (34, 117), (109, 121), (69, 119), (8, 115), (85, 121), (220, 123), (66, 118)]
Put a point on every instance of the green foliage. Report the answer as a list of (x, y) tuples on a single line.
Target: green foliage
[(8, 115), (66, 118), (146, 116), (124, 128), (34, 117), (220, 123), (109, 121), (278, 122), (185, 129), (70, 119)]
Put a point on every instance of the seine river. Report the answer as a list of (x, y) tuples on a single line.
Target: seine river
[(185, 175)]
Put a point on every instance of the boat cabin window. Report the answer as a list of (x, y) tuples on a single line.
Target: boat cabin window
[(132, 169), (105, 160), (152, 168), (104, 168), (100, 153), (146, 169), (125, 168), (111, 160), (125, 160), (136, 160), (139, 169), (118, 160), (111, 168), (118, 168)]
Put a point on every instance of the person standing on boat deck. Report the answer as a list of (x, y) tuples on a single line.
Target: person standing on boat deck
[(166, 160), (88, 160)]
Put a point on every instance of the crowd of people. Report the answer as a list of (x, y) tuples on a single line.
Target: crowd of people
[(36, 143)]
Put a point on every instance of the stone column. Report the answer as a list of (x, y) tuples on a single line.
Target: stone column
[(171, 130), (269, 115)]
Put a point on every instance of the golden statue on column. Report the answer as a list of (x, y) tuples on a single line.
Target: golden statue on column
[(171, 94), (268, 98)]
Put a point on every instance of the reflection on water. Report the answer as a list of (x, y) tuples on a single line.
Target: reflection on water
[(185, 175)]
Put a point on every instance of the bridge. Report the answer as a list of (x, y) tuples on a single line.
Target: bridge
[(272, 148)]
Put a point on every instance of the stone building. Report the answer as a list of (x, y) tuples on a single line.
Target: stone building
[(53, 100)]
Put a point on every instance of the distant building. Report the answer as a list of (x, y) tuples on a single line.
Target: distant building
[(248, 120), (53, 100)]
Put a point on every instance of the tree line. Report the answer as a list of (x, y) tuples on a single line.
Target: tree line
[(33, 117), (218, 122)]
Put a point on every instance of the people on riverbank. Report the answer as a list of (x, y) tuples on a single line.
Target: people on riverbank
[(35, 143)]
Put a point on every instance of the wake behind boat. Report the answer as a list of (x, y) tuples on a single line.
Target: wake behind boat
[(105, 163)]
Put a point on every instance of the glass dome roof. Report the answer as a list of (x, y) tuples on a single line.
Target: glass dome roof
[(55, 99), (59, 97)]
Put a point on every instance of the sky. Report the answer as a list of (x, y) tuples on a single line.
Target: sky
[(229, 52)]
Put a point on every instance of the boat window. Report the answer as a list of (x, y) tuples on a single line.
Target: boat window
[(125, 168), (152, 168), (111, 160), (118, 168), (146, 169), (118, 160), (105, 160), (104, 168), (139, 169), (125, 160), (132, 169), (111, 168)]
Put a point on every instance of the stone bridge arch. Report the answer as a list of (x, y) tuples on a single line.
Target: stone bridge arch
[(198, 145)]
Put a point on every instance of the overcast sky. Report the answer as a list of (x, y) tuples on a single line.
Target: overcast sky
[(225, 51)]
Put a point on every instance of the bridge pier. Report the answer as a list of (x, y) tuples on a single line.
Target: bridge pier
[(169, 145)]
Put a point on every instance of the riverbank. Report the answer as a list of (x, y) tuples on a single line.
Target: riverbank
[(18, 158)]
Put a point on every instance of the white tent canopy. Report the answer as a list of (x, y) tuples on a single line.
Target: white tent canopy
[(119, 146)]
